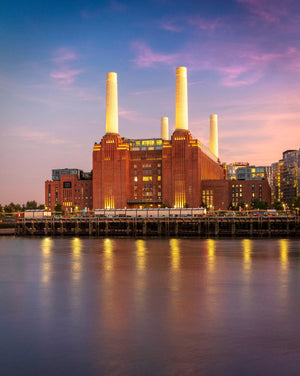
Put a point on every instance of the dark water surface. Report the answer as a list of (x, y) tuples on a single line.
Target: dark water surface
[(149, 307)]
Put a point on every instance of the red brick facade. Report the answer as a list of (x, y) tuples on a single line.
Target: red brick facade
[(69, 192), (220, 194), (171, 175), (111, 173)]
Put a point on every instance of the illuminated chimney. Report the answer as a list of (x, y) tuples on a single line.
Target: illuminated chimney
[(213, 135), (112, 123), (164, 128), (181, 102)]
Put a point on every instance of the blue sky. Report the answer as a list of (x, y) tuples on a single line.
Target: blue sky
[(243, 60)]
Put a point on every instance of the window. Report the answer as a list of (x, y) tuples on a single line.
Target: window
[(148, 142), (67, 184)]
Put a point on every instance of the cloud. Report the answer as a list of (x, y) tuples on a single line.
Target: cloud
[(269, 11), (238, 64), (204, 24), (63, 55), (169, 25), (27, 134), (253, 136), (147, 58), (63, 72), (66, 77), (177, 25), (235, 76), (131, 115)]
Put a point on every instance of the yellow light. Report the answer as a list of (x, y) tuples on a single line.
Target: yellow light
[(247, 244), (108, 254), (76, 256), (211, 246), (46, 266), (141, 254), (76, 246), (284, 254), (175, 254), (46, 246)]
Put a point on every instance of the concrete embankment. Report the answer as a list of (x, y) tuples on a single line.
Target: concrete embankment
[(195, 227), (8, 226), (7, 231)]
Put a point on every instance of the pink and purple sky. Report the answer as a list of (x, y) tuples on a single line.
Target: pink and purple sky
[(243, 60)]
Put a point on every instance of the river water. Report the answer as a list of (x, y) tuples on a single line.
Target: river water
[(74, 306)]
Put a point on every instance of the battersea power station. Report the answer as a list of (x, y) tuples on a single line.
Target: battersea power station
[(137, 173), (157, 171)]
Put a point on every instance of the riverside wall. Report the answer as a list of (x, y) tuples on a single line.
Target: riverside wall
[(142, 227)]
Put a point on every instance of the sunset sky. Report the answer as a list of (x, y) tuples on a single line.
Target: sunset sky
[(243, 60)]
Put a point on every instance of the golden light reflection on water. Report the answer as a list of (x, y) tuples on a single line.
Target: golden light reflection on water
[(108, 257), (175, 254), (140, 280), (284, 260), (141, 254), (76, 258), (46, 246), (247, 248), (284, 264), (175, 264), (211, 257)]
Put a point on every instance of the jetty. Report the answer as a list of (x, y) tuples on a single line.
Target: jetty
[(141, 227)]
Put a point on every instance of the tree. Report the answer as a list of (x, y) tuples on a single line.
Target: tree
[(277, 205), (257, 204), (42, 207), (18, 208), (296, 202), (31, 205), (58, 208), (10, 208), (166, 205)]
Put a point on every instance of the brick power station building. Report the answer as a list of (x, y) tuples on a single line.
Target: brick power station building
[(136, 173)]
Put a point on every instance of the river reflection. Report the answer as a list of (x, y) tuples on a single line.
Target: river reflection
[(149, 306), (284, 272), (211, 257), (46, 245), (141, 255), (76, 259)]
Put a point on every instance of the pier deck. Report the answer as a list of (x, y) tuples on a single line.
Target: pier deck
[(194, 227)]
